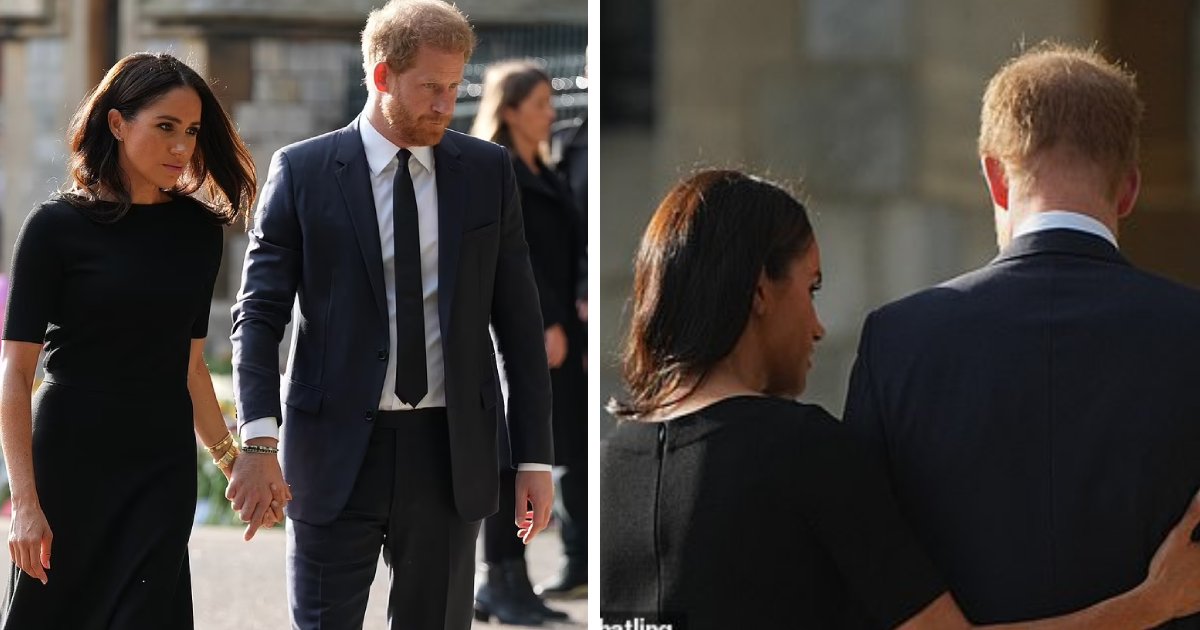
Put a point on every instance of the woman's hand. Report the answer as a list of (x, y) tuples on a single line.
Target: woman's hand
[(1174, 577), (279, 498), (29, 539)]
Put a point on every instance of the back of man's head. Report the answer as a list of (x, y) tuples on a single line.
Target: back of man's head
[(1066, 101)]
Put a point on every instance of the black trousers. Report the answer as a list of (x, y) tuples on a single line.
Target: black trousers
[(500, 541), (402, 503), (573, 513)]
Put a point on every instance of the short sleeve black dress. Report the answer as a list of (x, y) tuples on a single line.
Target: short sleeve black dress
[(753, 513), (114, 452)]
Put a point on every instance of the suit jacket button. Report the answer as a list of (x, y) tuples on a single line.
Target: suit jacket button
[(369, 416), (381, 355)]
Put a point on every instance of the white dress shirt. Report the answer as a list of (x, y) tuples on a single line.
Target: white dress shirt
[(382, 161), (1064, 219)]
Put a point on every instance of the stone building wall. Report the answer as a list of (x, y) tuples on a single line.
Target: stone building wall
[(870, 109), (284, 69)]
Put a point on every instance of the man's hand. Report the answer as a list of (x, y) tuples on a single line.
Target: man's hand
[(257, 491), (536, 488), (556, 346)]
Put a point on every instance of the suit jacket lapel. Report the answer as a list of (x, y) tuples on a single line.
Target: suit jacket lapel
[(452, 200), (353, 176)]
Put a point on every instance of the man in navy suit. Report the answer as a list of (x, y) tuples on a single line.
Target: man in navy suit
[(1039, 415), (399, 242)]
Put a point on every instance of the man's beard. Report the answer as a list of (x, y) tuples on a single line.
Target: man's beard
[(413, 129)]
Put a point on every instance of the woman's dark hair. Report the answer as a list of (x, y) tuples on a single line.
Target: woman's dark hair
[(695, 275), (505, 85), (221, 164)]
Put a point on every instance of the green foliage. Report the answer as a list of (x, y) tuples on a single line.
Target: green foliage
[(210, 492)]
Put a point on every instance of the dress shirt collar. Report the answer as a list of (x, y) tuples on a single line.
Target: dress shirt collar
[(381, 152), (1064, 219)]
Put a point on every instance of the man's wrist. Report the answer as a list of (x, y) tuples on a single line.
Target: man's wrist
[(530, 467), (259, 428)]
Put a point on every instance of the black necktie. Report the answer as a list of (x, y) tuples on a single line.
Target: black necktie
[(411, 379)]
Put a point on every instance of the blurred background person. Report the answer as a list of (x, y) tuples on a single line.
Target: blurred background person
[(569, 156), (516, 112)]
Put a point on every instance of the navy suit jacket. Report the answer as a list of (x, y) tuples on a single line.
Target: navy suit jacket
[(315, 243), (1041, 422)]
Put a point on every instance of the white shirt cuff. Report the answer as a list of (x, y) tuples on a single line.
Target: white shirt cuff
[(535, 467), (262, 427)]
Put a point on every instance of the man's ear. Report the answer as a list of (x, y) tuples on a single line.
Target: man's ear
[(997, 180), (379, 76), (1127, 192)]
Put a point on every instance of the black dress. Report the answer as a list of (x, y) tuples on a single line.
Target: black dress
[(753, 513), (114, 455)]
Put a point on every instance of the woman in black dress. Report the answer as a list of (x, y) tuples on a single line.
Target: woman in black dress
[(516, 112), (115, 277), (729, 505)]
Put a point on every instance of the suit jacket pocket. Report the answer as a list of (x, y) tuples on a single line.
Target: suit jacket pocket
[(482, 231), (306, 398)]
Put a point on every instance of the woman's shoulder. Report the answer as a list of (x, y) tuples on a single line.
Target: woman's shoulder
[(201, 219), (59, 207), (54, 214), (787, 426), (632, 436), (199, 210), (785, 413), (758, 418)]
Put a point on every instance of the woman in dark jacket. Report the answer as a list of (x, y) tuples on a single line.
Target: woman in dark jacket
[(515, 111)]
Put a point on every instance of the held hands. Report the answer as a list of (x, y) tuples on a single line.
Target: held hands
[(257, 491), (536, 488), (1173, 582), (29, 539), (556, 346)]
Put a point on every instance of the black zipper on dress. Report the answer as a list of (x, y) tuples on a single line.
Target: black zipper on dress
[(658, 555)]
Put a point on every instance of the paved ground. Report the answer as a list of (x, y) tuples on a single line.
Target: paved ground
[(241, 585)]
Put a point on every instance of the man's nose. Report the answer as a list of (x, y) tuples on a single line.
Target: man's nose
[(444, 104)]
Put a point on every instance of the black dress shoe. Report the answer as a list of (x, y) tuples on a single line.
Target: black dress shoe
[(500, 596), (569, 583)]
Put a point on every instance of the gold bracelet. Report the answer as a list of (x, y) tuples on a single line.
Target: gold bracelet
[(225, 461), (220, 445)]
